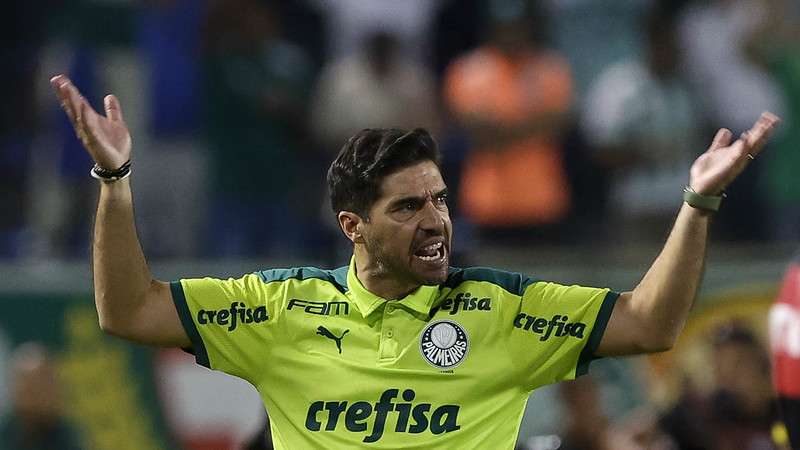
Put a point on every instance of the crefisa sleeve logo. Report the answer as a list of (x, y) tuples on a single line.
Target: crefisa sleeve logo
[(444, 344), (236, 314)]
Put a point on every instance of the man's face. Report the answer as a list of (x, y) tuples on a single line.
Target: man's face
[(409, 230)]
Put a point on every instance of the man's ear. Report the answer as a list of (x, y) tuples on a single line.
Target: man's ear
[(352, 226)]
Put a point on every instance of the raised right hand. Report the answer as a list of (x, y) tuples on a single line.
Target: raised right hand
[(107, 139)]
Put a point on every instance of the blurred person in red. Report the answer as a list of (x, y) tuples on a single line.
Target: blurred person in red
[(784, 330), (37, 421), (512, 96)]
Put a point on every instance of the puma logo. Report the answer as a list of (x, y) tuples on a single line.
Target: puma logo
[(322, 331)]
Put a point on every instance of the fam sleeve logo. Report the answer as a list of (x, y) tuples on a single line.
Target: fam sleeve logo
[(444, 344), (333, 308)]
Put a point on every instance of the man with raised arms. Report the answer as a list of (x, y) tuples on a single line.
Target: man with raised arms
[(409, 362)]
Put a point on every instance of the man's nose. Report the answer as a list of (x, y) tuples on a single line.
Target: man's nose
[(433, 219)]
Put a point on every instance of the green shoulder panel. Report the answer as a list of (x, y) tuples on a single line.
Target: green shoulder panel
[(513, 282), (337, 277)]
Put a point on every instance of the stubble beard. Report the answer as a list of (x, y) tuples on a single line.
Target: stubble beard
[(387, 267)]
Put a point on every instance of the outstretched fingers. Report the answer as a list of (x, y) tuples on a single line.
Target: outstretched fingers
[(759, 133), (105, 136), (721, 139), (73, 103), (86, 123), (61, 85), (113, 109)]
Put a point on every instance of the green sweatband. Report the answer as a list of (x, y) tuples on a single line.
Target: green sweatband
[(700, 201)]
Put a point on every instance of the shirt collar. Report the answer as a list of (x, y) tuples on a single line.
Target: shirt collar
[(421, 300)]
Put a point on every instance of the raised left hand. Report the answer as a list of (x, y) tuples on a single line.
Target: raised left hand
[(715, 169)]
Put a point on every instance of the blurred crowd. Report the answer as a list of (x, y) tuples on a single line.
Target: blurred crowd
[(563, 121)]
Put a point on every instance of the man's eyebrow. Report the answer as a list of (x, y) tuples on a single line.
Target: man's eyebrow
[(407, 199)]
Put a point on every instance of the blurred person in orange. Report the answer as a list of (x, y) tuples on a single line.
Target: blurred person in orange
[(37, 421), (513, 96)]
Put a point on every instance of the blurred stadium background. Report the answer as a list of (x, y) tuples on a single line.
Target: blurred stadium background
[(568, 127)]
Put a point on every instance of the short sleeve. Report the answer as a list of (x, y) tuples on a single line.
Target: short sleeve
[(558, 330), (225, 321)]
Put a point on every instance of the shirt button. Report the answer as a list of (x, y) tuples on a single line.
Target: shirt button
[(389, 333), (389, 309)]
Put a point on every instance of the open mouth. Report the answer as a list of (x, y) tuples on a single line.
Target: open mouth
[(431, 253)]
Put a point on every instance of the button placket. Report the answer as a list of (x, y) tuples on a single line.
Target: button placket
[(389, 346)]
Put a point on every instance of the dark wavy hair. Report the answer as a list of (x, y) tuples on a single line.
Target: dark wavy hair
[(355, 176)]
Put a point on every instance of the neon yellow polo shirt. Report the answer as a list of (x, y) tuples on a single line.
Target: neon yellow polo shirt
[(449, 366)]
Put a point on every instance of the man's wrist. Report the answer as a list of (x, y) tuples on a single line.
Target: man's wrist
[(708, 203), (110, 176)]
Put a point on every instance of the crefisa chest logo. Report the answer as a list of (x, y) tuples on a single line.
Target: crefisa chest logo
[(444, 344)]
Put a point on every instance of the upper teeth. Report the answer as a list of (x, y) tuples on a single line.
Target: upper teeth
[(435, 246)]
